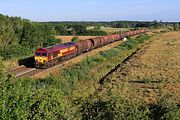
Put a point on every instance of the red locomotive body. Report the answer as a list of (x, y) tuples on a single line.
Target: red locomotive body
[(46, 57)]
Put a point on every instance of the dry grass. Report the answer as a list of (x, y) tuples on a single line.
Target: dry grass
[(154, 73), (69, 38), (10, 63), (113, 30), (161, 61)]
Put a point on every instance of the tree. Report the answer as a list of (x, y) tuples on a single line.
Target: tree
[(61, 30), (97, 27), (176, 26), (79, 29), (155, 23), (20, 37)]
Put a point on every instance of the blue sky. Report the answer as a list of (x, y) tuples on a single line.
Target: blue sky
[(92, 10)]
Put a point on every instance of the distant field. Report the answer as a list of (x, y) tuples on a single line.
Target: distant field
[(113, 30), (69, 38), (109, 30)]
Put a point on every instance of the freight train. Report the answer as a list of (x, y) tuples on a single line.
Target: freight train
[(50, 56)]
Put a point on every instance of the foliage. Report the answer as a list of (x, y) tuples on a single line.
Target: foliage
[(110, 53), (95, 33), (28, 99), (75, 39), (61, 30), (76, 29), (79, 29), (116, 107), (117, 24), (176, 26), (20, 37), (164, 109)]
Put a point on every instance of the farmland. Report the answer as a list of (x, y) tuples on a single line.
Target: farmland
[(150, 74), (111, 30)]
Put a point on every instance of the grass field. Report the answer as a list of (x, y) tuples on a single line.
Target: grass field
[(152, 72), (113, 30)]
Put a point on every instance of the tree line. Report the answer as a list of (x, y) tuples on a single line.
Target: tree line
[(120, 24), (76, 29), (20, 37)]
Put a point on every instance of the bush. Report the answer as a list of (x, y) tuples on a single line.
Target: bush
[(74, 39), (28, 99), (95, 33), (164, 109), (110, 53), (113, 109)]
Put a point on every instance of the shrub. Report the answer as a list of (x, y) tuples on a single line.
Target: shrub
[(164, 109), (25, 99), (75, 39), (110, 53), (113, 109)]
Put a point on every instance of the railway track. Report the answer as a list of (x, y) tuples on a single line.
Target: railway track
[(23, 71)]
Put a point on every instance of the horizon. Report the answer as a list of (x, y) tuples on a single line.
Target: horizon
[(92, 10), (96, 21)]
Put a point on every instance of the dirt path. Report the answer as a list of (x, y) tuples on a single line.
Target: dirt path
[(151, 71)]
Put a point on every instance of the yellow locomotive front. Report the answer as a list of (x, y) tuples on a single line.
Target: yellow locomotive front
[(41, 58)]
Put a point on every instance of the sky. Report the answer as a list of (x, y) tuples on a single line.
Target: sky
[(92, 10)]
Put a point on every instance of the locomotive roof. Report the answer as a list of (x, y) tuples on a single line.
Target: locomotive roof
[(57, 47)]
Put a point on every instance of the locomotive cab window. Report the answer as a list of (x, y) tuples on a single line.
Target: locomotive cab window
[(38, 53), (44, 54)]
